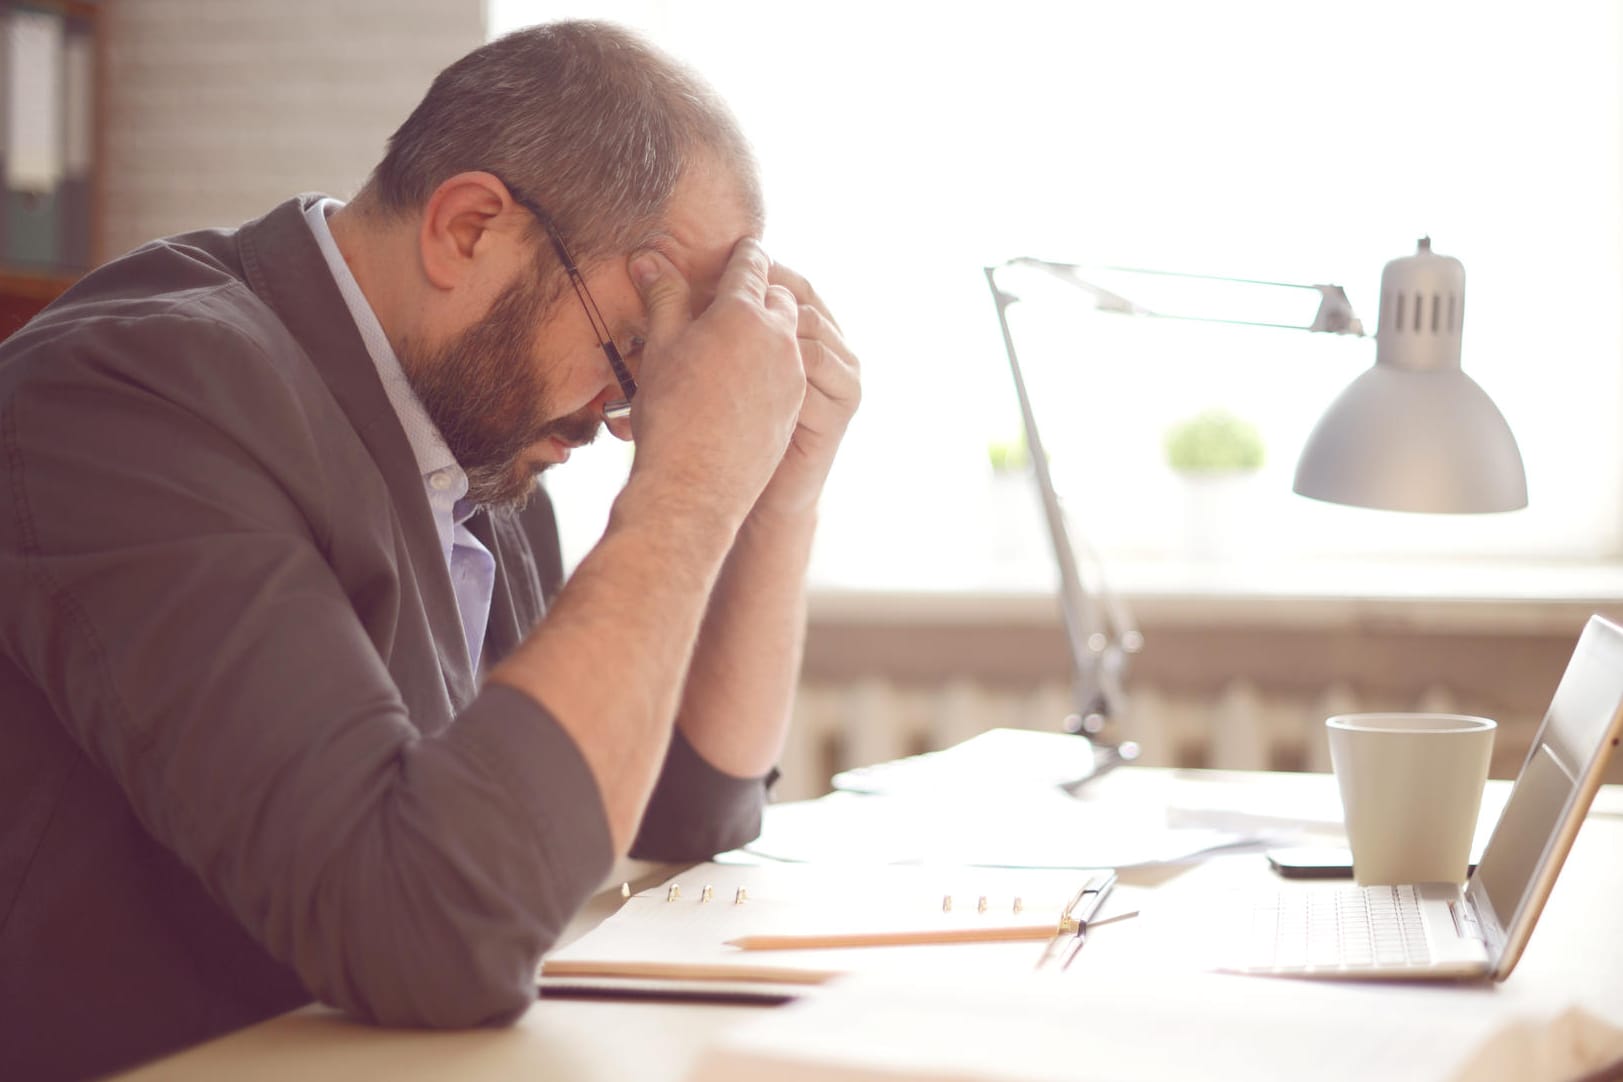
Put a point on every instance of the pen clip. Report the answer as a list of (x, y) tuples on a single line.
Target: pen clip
[(1090, 898), (1074, 918)]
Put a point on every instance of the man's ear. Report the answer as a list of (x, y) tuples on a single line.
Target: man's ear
[(461, 220)]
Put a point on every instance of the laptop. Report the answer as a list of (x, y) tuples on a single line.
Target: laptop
[(1443, 930)]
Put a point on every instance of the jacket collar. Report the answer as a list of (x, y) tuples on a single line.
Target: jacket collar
[(284, 267)]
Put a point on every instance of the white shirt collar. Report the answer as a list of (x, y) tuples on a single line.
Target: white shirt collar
[(444, 481)]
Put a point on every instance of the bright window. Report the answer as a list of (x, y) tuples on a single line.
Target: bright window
[(905, 146)]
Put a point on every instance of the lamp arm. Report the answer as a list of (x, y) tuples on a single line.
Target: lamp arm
[(1098, 629), (1335, 314), (1098, 650)]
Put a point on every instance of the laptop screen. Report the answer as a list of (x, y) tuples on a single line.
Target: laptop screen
[(1579, 723), (1510, 863)]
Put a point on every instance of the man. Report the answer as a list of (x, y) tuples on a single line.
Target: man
[(282, 718)]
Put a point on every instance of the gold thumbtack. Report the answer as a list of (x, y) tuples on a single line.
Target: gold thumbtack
[(1018, 905), (980, 904), (674, 893), (741, 897), (625, 890), (946, 904), (707, 893)]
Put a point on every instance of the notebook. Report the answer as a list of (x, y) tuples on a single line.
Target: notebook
[(1443, 930), (682, 937)]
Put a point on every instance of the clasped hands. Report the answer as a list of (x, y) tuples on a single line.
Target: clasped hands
[(749, 398)]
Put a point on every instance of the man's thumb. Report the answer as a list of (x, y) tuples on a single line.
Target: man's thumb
[(663, 290)]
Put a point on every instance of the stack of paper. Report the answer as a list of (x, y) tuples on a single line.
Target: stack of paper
[(1036, 828)]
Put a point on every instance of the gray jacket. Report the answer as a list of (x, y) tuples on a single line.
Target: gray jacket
[(243, 759)]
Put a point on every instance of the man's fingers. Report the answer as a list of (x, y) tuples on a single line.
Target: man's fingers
[(813, 323), (746, 271), (664, 292), (822, 345), (782, 303), (802, 289), (831, 373)]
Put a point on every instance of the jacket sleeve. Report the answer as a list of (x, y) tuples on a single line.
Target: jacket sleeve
[(697, 811), (169, 585)]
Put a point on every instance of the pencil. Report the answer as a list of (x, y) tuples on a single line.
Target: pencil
[(893, 939)]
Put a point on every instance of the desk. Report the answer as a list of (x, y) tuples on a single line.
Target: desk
[(1576, 955)]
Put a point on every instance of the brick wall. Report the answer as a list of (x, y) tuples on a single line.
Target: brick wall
[(216, 110)]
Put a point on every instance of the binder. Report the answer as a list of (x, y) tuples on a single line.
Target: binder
[(33, 122), (74, 211), (46, 73), (5, 123)]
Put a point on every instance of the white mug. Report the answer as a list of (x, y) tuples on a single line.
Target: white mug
[(1411, 788)]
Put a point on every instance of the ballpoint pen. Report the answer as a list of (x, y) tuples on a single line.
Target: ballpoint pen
[(1083, 907)]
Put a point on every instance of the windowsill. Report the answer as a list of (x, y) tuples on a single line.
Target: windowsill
[(1486, 595)]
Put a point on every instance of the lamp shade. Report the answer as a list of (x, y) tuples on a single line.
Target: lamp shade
[(1415, 433)]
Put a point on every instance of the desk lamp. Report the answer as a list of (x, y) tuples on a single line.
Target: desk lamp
[(1413, 433)]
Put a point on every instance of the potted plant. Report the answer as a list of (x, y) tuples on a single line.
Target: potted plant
[(1214, 441), (1216, 454), (1008, 456)]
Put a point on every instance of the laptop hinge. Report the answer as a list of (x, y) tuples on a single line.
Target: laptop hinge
[(1466, 926)]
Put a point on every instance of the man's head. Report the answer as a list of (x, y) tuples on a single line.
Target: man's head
[(622, 149)]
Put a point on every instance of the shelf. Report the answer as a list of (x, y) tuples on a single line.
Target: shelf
[(35, 286)]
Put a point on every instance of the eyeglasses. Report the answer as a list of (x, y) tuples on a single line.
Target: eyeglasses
[(600, 327)]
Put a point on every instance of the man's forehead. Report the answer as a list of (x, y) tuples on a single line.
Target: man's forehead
[(708, 214), (701, 264), (701, 268)]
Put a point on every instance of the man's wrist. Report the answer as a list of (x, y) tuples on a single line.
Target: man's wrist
[(779, 526), (686, 513)]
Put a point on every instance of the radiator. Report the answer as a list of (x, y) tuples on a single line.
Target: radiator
[(1243, 727)]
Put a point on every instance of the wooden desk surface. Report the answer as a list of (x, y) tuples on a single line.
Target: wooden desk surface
[(1576, 955)]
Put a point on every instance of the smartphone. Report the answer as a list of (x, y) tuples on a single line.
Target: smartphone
[(1316, 862), (1311, 862)]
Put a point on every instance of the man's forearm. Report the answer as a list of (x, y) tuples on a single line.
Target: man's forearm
[(608, 661), (740, 688), (719, 399), (740, 692)]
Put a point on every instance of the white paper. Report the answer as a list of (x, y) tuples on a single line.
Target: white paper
[(34, 102), (1040, 828), (1000, 759), (1302, 802)]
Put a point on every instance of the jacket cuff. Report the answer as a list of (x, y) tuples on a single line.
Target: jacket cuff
[(697, 811)]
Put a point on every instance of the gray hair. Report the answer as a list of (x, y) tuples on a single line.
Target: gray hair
[(585, 117)]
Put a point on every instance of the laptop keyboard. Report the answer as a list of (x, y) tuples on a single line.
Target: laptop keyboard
[(1351, 928)]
